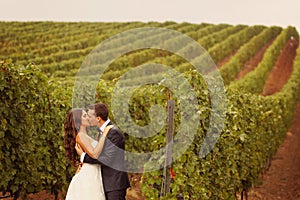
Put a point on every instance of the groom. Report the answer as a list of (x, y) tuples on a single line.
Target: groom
[(114, 176)]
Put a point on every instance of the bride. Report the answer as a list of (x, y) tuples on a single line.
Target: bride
[(87, 183)]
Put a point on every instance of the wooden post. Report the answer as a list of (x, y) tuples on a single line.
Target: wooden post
[(169, 142)]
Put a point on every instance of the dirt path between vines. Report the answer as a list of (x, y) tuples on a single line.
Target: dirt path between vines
[(282, 70), (282, 179), (254, 61)]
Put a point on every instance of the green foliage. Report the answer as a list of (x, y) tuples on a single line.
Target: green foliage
[(33, 107), (254, 81), (233, 42), (242, 153), (230, 70), (32, 112)]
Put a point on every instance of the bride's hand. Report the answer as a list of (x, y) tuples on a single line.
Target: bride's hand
[(79, 168), (107, 128), (78, 149)]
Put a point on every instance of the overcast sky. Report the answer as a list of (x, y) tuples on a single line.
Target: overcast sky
[(249, 12)]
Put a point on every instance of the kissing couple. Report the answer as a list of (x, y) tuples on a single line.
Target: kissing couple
[(102, 175)]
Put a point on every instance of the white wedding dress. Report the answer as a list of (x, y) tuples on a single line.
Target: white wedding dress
[(87, 184)]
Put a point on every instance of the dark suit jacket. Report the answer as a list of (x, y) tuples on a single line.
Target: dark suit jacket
[(114, 175)]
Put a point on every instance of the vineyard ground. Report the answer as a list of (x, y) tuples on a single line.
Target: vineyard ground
[(282, 179), (252, 63)]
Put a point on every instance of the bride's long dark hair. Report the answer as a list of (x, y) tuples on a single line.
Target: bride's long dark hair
[(71, 126)]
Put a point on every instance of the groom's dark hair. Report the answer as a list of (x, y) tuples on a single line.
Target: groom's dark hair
[(101, 110)]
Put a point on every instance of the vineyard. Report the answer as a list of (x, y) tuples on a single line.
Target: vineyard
[(40, 64)]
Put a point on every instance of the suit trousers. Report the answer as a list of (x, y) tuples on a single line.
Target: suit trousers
[(116, 195)]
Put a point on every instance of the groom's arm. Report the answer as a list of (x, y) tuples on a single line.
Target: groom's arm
[(85, 158), (113, 146)]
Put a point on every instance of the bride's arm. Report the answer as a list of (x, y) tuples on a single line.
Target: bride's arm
[(85, 143)]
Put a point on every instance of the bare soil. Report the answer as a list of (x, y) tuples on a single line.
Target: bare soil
[(282, 179), (254, 61), (282, 70)]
